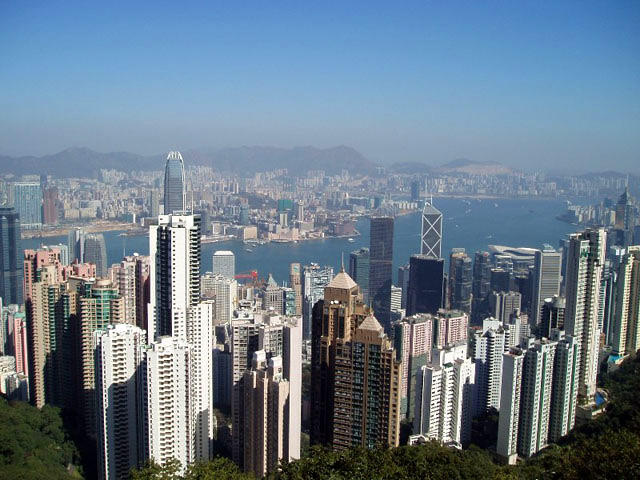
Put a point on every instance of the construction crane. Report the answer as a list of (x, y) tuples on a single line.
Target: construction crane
[(253, 275)]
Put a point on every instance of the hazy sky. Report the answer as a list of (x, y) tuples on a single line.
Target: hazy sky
[(532, 84)]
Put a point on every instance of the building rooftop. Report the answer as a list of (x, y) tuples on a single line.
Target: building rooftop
[(342, 281)]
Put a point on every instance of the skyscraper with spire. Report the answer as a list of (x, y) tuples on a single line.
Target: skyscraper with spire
[(174, 184), (431, 244)]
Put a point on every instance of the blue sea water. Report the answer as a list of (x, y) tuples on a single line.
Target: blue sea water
[(471, 224)]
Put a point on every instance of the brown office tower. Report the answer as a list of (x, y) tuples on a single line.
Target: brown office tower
[(355, 373)]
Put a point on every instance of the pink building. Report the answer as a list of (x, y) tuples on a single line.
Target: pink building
[(450, 328)]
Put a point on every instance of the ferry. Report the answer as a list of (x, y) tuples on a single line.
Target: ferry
[(248, 250), (351, 240)]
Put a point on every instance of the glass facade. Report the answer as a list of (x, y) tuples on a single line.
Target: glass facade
[(174, 191)]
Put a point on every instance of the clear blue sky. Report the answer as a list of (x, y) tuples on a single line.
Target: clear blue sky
[(533, 84)]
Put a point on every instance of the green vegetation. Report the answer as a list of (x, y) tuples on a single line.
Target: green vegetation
[(33, 443)]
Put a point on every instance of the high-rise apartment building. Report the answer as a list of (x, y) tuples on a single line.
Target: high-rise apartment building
[(118, 358), (359, 270), (426, 291), (460, 281), (488, 347), (626, 331), (27, 197), (413, 339), (356, 375), (510, 397), (10, 257), (174, 251), (444, 396), (50, 206), (174, 184), (431, 244), (381, 267), (450, 327), (584, 280), (169, 425), (564, 395), (131, 276), (95, 251), (546, 280), (224, 263)]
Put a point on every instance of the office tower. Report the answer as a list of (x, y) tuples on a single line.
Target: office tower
[(417, 189), (222, 371), (299, 211), (584, 281), (118, 358), (10, 257), (174, 184), (426, 285), (625, 211), (174, 256), (100, 307), (224, 263), (76, 245), (431, 244), (295, 280), (510, 397), (314, 281), (380, 267), (272, 296), (131, 276), (201, 338), (444, 396), (460, 280), (288, 302), (481, 286), (403, 283), (244, 215), (504, 304), (50, 206), (95, 251), (225, 292), (27, 198), (359, 270), (413, 338), (153, 205), (546, 280), (516, 331), (168, 401), (626, 332), (551, 316), (396, 300), (535, 409), (488, 348), (500, 280), (564, 395), (349, 345)]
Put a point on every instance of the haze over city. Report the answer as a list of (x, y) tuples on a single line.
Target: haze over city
[(534, 85)]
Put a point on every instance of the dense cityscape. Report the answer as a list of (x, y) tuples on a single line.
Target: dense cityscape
[(159, 361)]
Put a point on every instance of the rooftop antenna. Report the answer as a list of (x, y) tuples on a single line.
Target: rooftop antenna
[(342, 265)]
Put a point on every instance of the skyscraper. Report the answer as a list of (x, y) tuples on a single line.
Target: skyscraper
[(95, 251), (426, 285), (546, 280), (431, 244), (174, 251), (504, 304), (359, 270), (131, 276), (27, 198), (551, 316), (626, 332), (349, 346), (50, 206), (174, 184), (314, 281), (481, 286), (224, 263), (381, 268), (76, 245), (295, 280), (460, 280), (510, 397), (225, 292), (444, 396), (118, 358), (10, 257), (488, 348), (584, 280)]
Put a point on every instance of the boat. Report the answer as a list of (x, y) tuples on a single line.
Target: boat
[(495, 205), (248, 250), (351, 240)]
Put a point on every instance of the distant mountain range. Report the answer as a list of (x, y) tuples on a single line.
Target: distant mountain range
[(456, 166), (83, 162)]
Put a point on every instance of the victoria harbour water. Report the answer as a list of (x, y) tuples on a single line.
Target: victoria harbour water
[(471, 224)]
